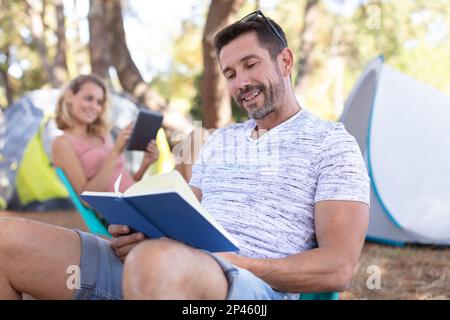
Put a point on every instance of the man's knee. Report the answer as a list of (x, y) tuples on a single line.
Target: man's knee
[(158, 254), (155, 264)]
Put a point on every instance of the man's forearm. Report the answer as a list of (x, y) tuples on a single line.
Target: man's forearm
[(317, 270)]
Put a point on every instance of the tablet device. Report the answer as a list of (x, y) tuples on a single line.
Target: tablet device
[(145, 129)]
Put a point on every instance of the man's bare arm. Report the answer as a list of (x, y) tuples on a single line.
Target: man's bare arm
[(340, 230)]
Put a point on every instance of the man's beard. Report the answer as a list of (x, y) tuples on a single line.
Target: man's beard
[(271, 97), (263, 111)]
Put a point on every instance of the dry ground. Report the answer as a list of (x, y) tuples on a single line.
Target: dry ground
[(413, 272)]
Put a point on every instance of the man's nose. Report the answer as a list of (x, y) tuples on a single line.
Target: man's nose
[(242, 81)]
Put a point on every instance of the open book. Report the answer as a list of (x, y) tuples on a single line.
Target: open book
[(163, 206)]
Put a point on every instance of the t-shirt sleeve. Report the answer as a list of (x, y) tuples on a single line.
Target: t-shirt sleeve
[(340, 168)]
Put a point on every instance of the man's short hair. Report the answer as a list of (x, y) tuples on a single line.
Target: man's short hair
[(266, 37)]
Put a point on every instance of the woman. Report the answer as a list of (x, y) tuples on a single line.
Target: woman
[(86, 151)]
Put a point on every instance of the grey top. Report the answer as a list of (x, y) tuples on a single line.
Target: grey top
[(263, 191)]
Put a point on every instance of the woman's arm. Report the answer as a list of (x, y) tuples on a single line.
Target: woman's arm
[(65, 157)]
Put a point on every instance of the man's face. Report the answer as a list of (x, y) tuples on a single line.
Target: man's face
[(255, 81)]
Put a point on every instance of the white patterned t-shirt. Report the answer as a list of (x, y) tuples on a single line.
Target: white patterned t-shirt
[(263, 191)]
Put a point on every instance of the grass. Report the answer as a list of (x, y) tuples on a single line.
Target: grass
[(410, 273)]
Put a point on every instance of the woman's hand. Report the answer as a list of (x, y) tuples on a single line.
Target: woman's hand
[(123, 242), (151, 154), (123, 138)]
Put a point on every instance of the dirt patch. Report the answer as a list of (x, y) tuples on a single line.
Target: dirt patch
[(413, 272)]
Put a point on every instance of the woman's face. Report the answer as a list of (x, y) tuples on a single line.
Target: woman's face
[(87, 103)]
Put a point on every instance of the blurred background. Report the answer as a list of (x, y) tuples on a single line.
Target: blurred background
[(159, 55), (157, 51)]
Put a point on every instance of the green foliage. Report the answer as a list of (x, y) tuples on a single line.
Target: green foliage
[(196, 109), (413, 36), (179, 83), (19, 58), (238, 114)]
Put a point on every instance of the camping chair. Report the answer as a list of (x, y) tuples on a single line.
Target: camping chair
[(36, 183), (93, 223), (319, 296)]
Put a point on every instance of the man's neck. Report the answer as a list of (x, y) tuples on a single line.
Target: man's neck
[(276, 117), (272, 120)]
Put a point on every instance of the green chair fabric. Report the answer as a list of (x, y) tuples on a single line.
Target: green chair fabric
[(36, 180), (319, 296), (165, 162), (93, 223)]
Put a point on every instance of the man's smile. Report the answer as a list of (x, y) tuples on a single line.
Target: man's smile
[(250, 95)]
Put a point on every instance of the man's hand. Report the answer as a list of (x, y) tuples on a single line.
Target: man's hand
[(122, 242)]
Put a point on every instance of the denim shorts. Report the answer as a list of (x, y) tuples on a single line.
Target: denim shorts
[(100, 270), (101, 275)]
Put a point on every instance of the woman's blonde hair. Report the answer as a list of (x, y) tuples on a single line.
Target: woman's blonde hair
[(64, 118)]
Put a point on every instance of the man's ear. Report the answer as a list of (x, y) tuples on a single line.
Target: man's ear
[(287, 60)]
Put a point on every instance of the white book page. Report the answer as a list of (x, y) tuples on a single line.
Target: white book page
[(116, 192), (117, 184), (163, 183), (174, 182)]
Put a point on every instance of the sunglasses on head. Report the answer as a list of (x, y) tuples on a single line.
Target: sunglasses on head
[(258, 13)]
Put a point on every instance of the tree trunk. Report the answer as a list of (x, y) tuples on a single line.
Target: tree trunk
[(60, 67), (257, 4), (7, 25), (216, 101), (38, 27), (308, 42), (5, 77), (113, 51), (98, 39), (129, 75)]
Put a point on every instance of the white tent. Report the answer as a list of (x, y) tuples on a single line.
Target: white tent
[(403, 129)]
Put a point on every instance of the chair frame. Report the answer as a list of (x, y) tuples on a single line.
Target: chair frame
[(93, 223)]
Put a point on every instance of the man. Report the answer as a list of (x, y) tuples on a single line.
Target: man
[(290, 187)]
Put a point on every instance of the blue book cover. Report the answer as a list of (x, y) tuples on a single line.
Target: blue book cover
[(163, 206)]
